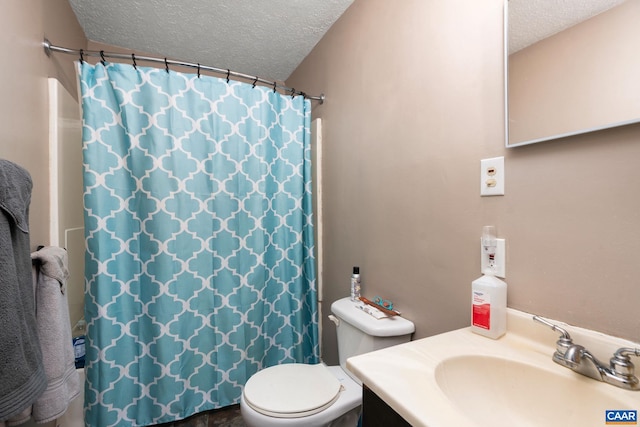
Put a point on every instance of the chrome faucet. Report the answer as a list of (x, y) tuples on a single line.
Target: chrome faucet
[(619, 373)]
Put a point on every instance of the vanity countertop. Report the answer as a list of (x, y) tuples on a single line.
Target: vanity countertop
[(405, 376)]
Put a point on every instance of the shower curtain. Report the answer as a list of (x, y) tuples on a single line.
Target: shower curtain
[(198, 226)]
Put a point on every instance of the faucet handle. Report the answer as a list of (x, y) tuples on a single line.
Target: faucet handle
[(625, 352), (621, 362), (564, 342), (565, 335)]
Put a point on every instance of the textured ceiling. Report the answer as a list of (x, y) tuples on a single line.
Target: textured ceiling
[(534, 20), (270, 38), (267, 38)]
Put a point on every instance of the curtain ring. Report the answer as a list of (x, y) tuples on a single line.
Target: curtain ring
[(104, 62), (133, 59), (254, 82), (81, 56), (228, 72), (293, 93), (274, 87), (166, 65), (198, 70)]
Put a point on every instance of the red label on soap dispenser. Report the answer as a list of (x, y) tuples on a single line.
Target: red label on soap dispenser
[(481, 314)]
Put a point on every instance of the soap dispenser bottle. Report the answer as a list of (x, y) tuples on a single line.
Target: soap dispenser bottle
[(489, 306), (489, 294)]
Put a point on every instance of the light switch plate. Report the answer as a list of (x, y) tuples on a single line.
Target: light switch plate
[(492, 177)]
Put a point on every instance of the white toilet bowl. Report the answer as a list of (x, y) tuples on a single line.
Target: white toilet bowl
[(319, 396)]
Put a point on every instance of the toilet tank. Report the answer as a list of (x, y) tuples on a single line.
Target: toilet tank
[(359, 332)]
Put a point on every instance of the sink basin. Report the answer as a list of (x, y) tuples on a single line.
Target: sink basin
[(463, 379), (502, 392)]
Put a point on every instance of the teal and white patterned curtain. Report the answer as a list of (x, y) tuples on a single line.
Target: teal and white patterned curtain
[(198, 217)]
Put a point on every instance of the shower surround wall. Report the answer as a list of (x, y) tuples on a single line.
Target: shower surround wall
[(414, 102), (24, 105)]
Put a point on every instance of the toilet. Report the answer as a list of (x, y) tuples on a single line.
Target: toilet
[(297, 394)]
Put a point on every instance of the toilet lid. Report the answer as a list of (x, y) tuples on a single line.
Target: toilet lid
[(292, 390)]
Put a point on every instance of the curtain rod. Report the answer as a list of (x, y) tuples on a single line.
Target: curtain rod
[(48, 48)]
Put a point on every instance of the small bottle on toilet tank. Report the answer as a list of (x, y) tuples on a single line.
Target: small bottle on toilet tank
[(355, 284)]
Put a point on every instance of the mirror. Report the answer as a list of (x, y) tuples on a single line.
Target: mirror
[(571, 67)]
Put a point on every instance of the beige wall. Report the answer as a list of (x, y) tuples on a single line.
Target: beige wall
[(24, 111), (414, 102), (585, 77)]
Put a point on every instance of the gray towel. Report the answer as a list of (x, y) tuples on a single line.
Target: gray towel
[(52, 316), (22, 375)]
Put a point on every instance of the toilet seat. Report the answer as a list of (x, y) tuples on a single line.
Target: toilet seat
[(292, 390)]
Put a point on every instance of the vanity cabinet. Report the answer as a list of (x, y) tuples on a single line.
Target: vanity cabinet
[(376, 412)]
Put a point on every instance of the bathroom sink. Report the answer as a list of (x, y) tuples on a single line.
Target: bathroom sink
[(463, 379), (497, 391)]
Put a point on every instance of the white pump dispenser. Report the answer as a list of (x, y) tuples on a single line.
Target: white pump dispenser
[(489, 295)]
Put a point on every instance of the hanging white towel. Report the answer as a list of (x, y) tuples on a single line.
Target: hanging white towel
[(54, 332)]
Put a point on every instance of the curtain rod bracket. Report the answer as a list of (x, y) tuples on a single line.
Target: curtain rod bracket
[(46, 44)]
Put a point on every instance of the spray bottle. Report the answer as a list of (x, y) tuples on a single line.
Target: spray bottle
[(355, 284)]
